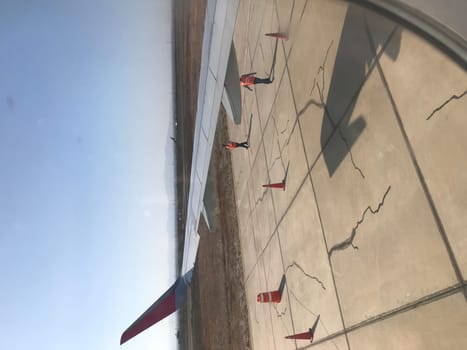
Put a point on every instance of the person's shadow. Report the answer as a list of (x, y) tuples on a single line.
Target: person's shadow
[(353, 63)]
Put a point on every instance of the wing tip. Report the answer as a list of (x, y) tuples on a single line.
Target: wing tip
[(126, 335)]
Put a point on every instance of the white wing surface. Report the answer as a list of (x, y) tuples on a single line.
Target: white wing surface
[(217, 40)]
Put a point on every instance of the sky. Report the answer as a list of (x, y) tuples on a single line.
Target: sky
[(86, 205)]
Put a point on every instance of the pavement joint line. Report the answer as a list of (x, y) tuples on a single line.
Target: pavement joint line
[(348, 242), (275, 221), (291, 13), (263, 132), (419, 172), (280, 81), (253, 231), (303, 11), (261, 141), (254, 212), (372, 66), (262, 53), (461, 286), (308, 174), (248, 25), (275, 95), (377, 57), (283, 265), (316, 201), (453, 97), (274, 10), (257, 40), (288, 27), (272, 197), (425, 300), (274, 161)]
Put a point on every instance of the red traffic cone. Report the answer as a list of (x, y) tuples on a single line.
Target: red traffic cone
[(280, 185), (272, 297), (269, 297), (306, 335), (279, 35)]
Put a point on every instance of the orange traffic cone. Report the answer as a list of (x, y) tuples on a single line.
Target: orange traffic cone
[(269, 297), (272, 297), (280, 185), (279, 35), (306, 335)]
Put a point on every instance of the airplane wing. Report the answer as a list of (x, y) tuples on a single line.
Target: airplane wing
[(163, 307), (219, 26)]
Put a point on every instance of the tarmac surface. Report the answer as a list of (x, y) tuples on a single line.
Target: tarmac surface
[(367, 122)]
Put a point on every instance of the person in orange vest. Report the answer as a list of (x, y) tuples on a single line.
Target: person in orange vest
[(233, 145), (246, 80)]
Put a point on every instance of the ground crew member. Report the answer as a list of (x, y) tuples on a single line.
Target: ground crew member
[(246, 80), (233, 145)]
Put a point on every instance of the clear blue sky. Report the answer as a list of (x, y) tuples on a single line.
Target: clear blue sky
[(86, 236)]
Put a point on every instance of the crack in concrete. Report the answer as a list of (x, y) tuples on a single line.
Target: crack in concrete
[(350, 152), (313, 87), (313, 314), (295, 264), (274, 162), (321, 90), (301, 303), (282, 159), (279, 157), (322, 104), (312, 101), (349, 241), (453, 97), (279, 314), (322, 70), (269, 159), (260, 199), (286, 126)]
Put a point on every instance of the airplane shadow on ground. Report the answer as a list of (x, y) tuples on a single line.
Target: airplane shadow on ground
[(355, 60)]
